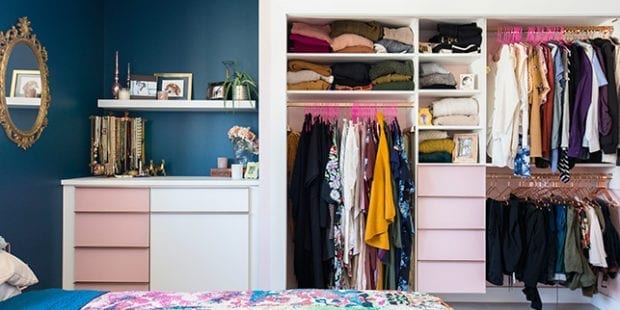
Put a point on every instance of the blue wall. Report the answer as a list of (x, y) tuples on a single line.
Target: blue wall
[(81, 37), (30, 191), (191, 36)]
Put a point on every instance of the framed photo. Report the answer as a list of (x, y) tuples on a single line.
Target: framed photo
[(466, 81), (178, 86), (425, 47), (26, 83), (465, 148), (425, 117), (251, 171), (215, 90), (142, 86)]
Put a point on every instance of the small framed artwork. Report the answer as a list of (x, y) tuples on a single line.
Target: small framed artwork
[(26, 83), (178, 86), (466, 81), (142, 86), (215, 90), (425, 47), (251, 170), (425, 117), (465, 148)]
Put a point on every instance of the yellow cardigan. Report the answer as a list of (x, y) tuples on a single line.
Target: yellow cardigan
[(381, 210)]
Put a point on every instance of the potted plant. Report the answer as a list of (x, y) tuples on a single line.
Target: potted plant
[(239, 86)]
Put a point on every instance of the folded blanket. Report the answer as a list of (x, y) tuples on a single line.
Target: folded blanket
[(435, 157), (371, 30), (293, 77), (402, 85), (355, 49), (392, 46), (436, 145), (310, 85), (351, 73), (457, 120), (454, 106), (298, 65), (320, 32), (428, 68), (391, 66), (395, 77), (402, 34), (431, 134), (437, 80), (51, 299), (303, 44), (349, 39)]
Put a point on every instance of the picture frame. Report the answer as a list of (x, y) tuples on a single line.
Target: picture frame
[(215, 90), (467, 81), (425, 47), (26, 83), (251, 170), (465, 148), (178, 86), (425, 117), (142, 86)]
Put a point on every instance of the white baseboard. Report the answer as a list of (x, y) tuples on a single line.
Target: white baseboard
[(605, 302)]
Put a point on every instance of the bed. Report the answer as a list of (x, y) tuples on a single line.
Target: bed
[(283, 299)]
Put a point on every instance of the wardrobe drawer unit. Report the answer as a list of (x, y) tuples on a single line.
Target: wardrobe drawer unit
[(450, 213), (111, 199), (451, 277), (200, 200), (112, 286), (112, 229), (445, 245), (111, 265), (452, 181)]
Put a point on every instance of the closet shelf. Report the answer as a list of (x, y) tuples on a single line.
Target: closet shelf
[(450, 128), (459, 59), (23, 102), (348, 57), (350, 95), (178, 105), (448, 92)]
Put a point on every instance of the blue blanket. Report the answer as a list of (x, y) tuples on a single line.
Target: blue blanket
[(50, 299)]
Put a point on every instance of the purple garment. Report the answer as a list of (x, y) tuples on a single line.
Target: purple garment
[(605, 120), (305, 44), (583, 98)]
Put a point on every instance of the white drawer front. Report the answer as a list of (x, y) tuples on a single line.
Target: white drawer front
[(200, 200)]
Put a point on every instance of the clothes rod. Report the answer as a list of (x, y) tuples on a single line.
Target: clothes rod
[(546, 176), (349, 105), (550, 28)]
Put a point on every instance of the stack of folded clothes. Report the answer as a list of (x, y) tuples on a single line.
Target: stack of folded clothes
[(455, 112), (351, 36), (435, 76), (305, 75), (392, 75), (395, 40), (351, 76), (307, 38), (457, 38), (435, 147)]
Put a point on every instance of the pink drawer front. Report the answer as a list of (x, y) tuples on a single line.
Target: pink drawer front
[(451, 277), (98, 286), (111, 199), (112, 229), (111, 265), (447, 213), (455, 181), (451, 245)]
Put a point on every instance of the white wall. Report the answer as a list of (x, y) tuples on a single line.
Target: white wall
[(272, 73)]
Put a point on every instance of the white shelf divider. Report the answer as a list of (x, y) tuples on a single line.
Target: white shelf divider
[(178, 105)]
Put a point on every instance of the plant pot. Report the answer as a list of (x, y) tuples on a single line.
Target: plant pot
[(240, 92)]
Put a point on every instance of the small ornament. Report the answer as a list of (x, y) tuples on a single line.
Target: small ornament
[(128, 75), (116, 86)]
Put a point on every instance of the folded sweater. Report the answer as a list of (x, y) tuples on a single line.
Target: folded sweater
[(457, 120), (435, 157), (310, 85), (402, 34), (371, 30), (351, 73), (298, 65), (392, 46), (355, 49), (431, 134), (349, 39), (299, 43), (395, 77), (293, 77), (438, 80), (391, 66), (454, 106), (402, 85), (436, 145), (320, 32)]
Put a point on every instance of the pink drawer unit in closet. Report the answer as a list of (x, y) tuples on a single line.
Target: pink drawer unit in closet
[(112, 286), (111, 199), (451, 213), (111, 265), (451, 181), (451, 277), (445, 245), (112, 229)]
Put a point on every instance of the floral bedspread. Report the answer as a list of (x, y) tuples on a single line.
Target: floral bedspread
[(286, 299)]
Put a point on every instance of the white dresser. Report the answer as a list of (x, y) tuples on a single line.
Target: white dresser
[(160, 233)]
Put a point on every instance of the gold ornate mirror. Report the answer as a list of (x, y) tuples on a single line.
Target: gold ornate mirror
[(29, 89)]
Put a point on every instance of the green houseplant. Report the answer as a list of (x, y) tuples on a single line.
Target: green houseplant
[(239, 85)]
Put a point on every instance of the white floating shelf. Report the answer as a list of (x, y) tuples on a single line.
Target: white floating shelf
[(448, 92), (346, 57), (463, 59), (178, 105), (23, 102), (350, 96)]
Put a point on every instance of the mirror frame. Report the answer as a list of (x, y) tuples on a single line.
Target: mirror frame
[(22, 33)]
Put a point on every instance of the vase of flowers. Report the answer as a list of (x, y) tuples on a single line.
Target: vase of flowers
[(244, 143)]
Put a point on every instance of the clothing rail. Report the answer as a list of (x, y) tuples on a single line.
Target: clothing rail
[(405, 105), (537, 34), (577, 176), (550, 180)]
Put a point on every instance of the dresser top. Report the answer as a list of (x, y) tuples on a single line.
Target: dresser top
[(175, 181)]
